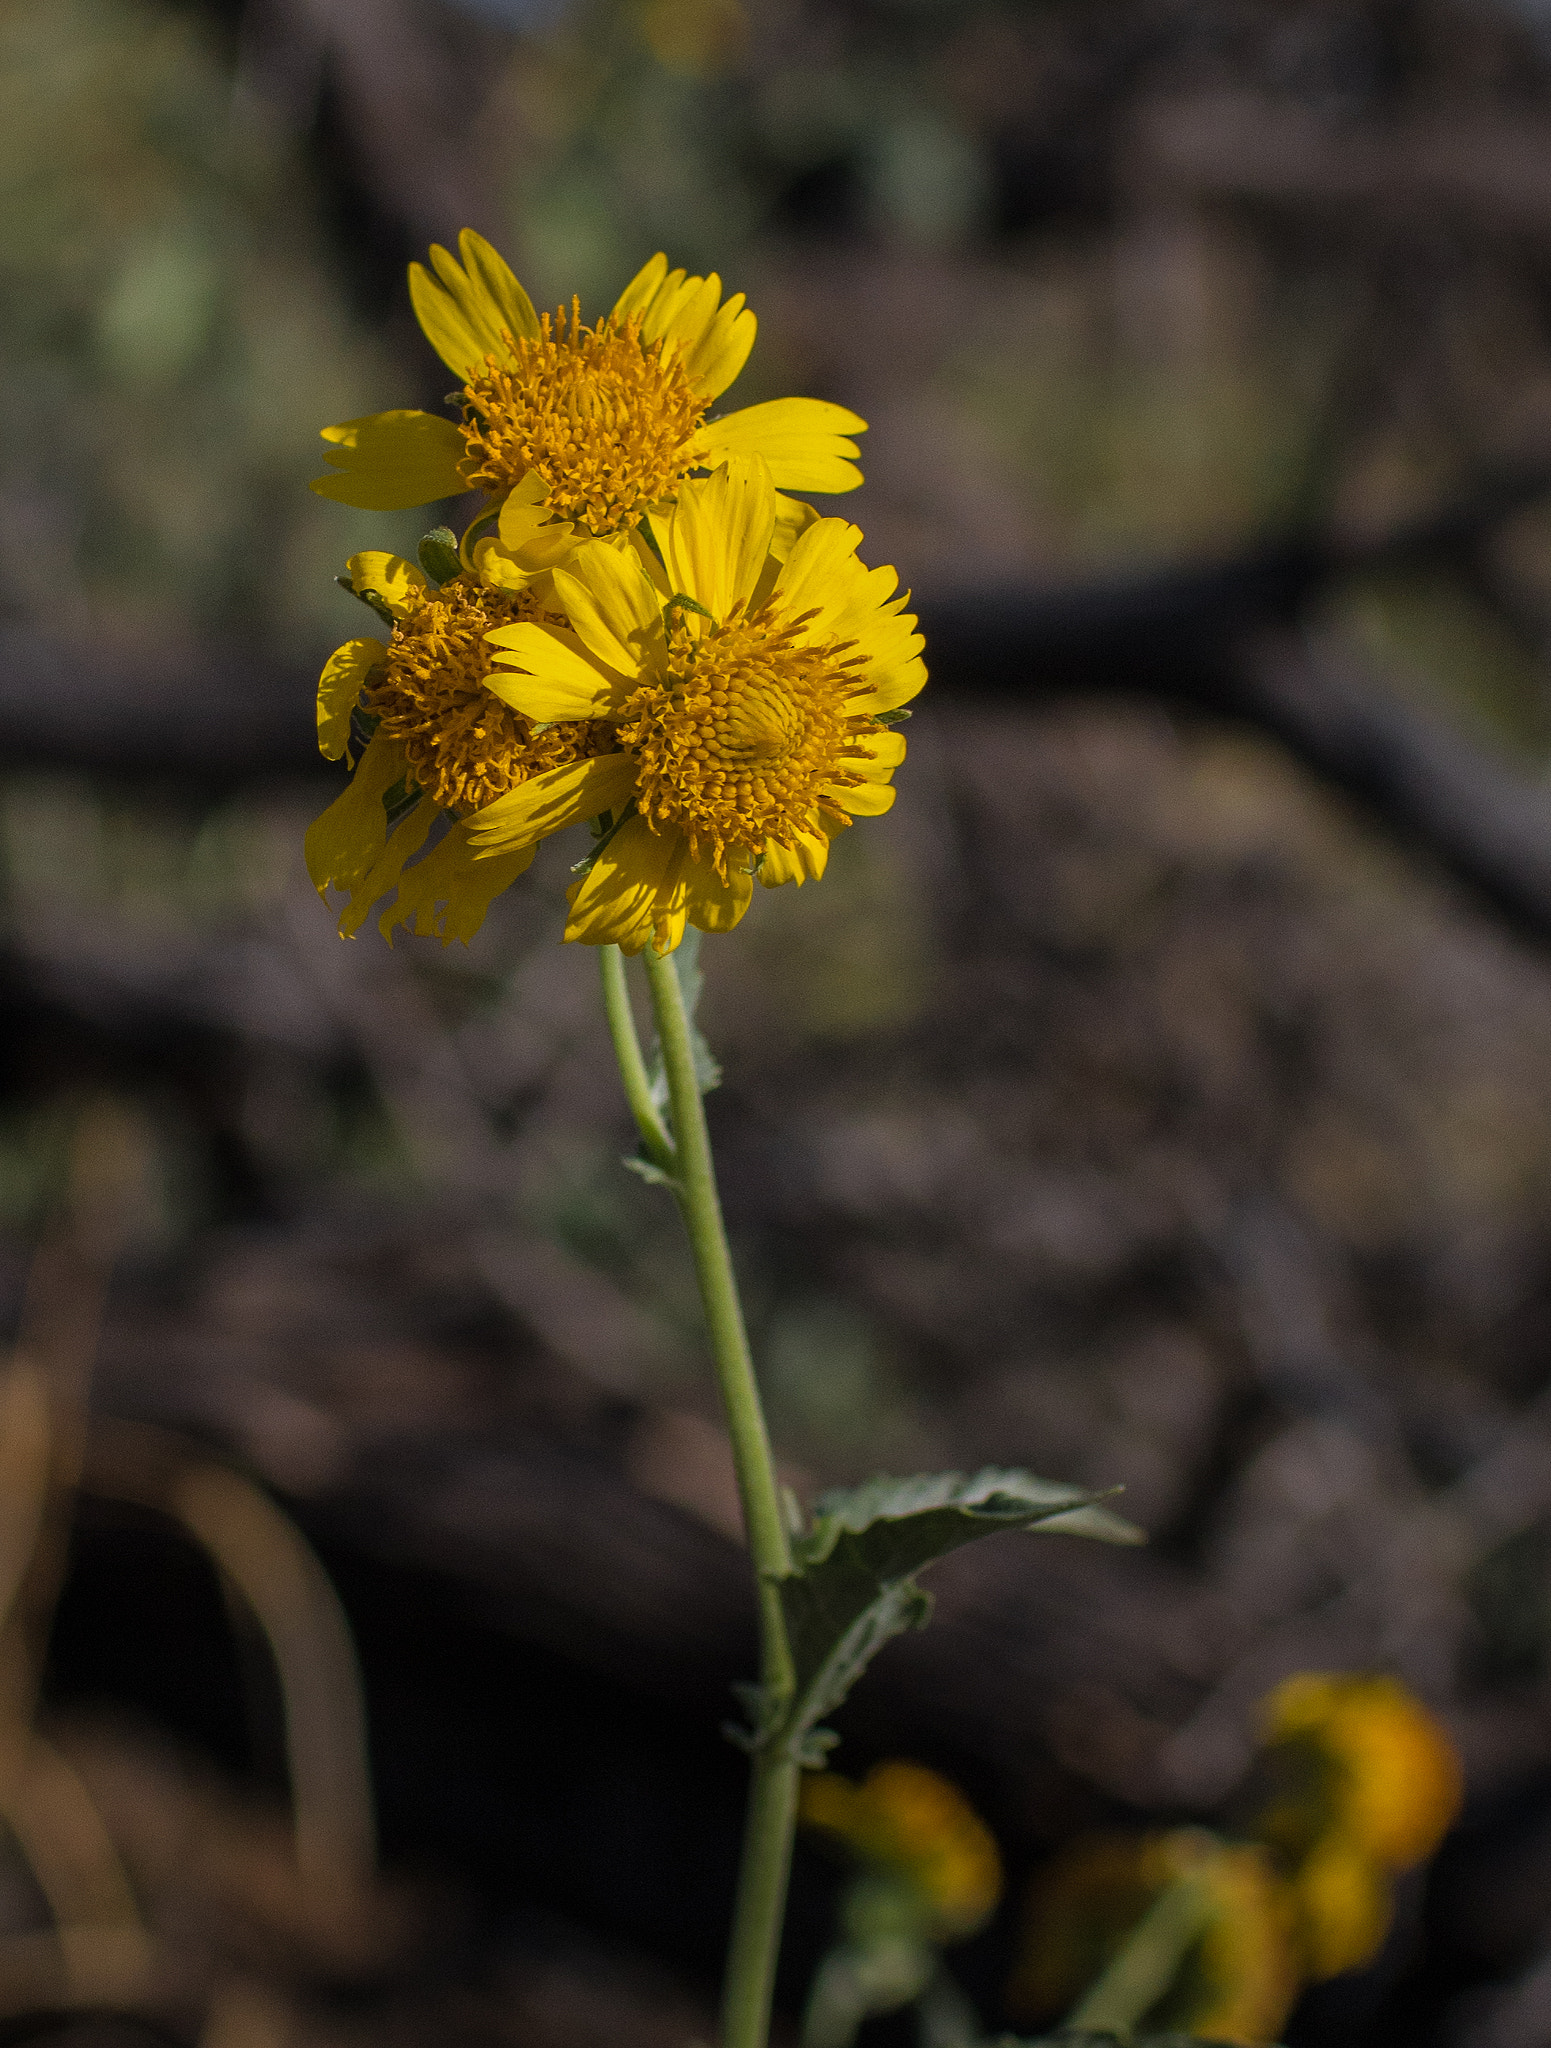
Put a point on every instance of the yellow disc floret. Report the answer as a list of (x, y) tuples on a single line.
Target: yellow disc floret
[(736, 742), (607, 420), (464, 746)]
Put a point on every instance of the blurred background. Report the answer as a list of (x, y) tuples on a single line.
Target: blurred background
[(1160, 1095)]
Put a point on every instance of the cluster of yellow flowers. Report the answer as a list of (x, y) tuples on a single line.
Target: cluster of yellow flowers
[(1357, 1782), (639, 627), (1354, 1782)]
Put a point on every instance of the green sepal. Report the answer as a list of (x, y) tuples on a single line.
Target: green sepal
[(895, 717), (370, 599), (438, 552), (601, 837), (853, 1587), (400, 800)]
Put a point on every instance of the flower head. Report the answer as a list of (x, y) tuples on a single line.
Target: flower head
[(748, 678), (1237, 1982), (1366, 1784), (439, 744), (1360, 1756), (909, 1824), (591, 425)]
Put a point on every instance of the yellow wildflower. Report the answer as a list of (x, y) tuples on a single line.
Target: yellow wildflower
[(1365, 1758), (909, 1823), (1368, 1784), (749, 690), (576, 431), (1236, 1983), (440, 743)]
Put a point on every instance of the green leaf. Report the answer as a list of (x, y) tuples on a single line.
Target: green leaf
[(400, 800), (652, 1173), (853, 1584), (438, 553), (686, 965), (370, 599)]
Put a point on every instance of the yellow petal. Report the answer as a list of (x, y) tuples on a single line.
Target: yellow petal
[(409, 836), (793, 518), (398, 583), (882, 753), (531, 538), (863, 799), (717, 537), (693, 315), (724, 348), (804, 440), (550, 801), (454, 877), (557, 681), (342, 845), (467, 313), (642, 288), (1345, 1906), (803, 862), (391, 460), (633, 893), (709, 902), (339, 689), (821, 572), (612, 607)]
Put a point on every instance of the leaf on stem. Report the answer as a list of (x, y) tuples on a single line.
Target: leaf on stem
[(686, 965), (853, 1583)]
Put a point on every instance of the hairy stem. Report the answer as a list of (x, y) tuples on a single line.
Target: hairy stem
[(767, 1845)]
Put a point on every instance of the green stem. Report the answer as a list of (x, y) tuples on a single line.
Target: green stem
[(1147, 1962), (632, 1067), (772, 1813)]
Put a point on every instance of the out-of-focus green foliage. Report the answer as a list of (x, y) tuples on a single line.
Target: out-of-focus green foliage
[(172, 332)]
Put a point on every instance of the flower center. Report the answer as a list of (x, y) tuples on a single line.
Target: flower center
[(606, 420), (736, 739), (465, 746)]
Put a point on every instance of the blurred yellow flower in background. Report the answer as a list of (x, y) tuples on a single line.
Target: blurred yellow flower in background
[(438, 743), (1236, 1982), (1366, 1758), (593, 425), (1367, 1784), (750, 689), (908, 1823)]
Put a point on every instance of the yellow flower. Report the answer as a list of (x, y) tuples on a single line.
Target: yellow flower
[(1368, 1784), (908, 1822), (591, 425), (1236, 1983), (748, 692), (441, 744), (1362, 1757)]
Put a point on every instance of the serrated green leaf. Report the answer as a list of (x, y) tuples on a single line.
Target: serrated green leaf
[(853, 1584), (686, 965)]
